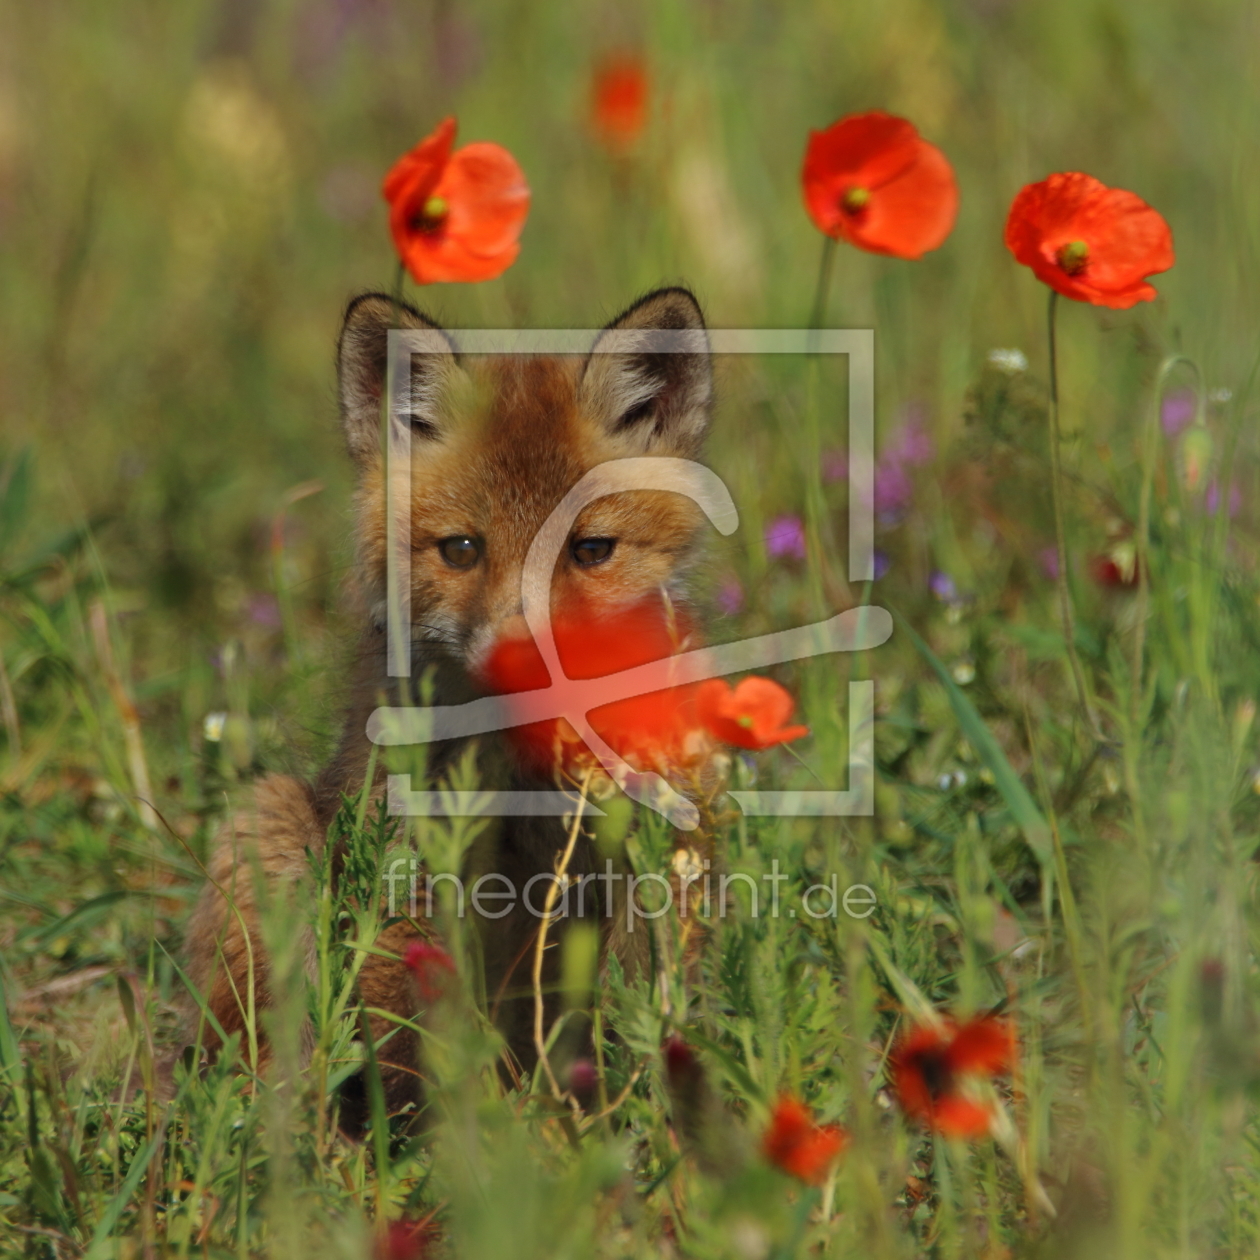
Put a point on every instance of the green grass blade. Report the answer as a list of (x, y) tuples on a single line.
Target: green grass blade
[(1017, 797)]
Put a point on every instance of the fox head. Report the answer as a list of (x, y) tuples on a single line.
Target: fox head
[(495, 442)]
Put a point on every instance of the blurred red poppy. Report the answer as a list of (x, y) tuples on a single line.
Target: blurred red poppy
[(682, 1068), (432, 967), (657, 730), (750, 716), (1117, 571), (406, 1240), (619, 100), (799, 1146), (1089, 242), (872, 180), (930, 1066), (456, 216)]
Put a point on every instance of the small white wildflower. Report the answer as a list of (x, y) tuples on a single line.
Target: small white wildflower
[(1008, 361), (213, 726), (945, 782), (964, 672), (1221, 394), (687, 864), (960, 778)]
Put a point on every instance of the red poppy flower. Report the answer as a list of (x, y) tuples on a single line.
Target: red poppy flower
[(798, 1146), (456, 216), (750, 716), (1087, 241), (406, 1240), (656, 730), (1117, 571), (432, 967), (619, 101), (930, 1066), (682, 1068), (872, 180)]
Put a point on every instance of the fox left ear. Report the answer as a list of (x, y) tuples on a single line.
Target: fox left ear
[(648, 380)]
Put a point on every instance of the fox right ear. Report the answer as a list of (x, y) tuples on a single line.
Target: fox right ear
[(362, 358), (648, 380)]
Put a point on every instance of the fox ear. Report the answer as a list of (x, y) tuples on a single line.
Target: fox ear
[(362, 355), (649, 380)]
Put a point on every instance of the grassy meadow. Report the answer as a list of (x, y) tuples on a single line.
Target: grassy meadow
[(189, 195)]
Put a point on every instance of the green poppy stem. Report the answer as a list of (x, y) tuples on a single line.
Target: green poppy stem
[(823, 288), (1060, 537), (815, 502)]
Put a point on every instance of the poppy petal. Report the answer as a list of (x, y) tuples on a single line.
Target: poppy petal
[(956, 1116), (456, 217), (654, 729), (488, 196), (424, 163), (799, 1146), (750, 716), (907, 1067), (866, 150), (909, 195), (1125, 240), (619, 101), (984, 1045), (914, 212)]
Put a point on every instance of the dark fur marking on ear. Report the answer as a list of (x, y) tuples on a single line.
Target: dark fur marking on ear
[(362, 361), (655, 395)]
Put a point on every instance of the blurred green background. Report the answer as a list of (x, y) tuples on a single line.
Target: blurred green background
[(189, 196)]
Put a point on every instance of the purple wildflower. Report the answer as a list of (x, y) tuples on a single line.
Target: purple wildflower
[(942, 586), (910, 447), (785, 536), (1176, 411), (882, 564), (1212, 499)]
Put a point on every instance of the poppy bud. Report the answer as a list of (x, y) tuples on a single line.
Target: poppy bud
[(1196, 454), (583, 1080), (682, 1068)]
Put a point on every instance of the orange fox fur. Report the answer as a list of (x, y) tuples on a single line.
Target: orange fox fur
[(496, 442)]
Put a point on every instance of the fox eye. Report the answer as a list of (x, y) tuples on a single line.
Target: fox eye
[(588, 551), (460, 552)]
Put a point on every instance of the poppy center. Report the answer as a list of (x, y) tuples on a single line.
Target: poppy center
[(855, 200), (936, 1074), (431, 215), (1073, 257), (745, 721)]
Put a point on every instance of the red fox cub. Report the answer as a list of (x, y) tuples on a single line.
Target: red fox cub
[(496, 443)]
